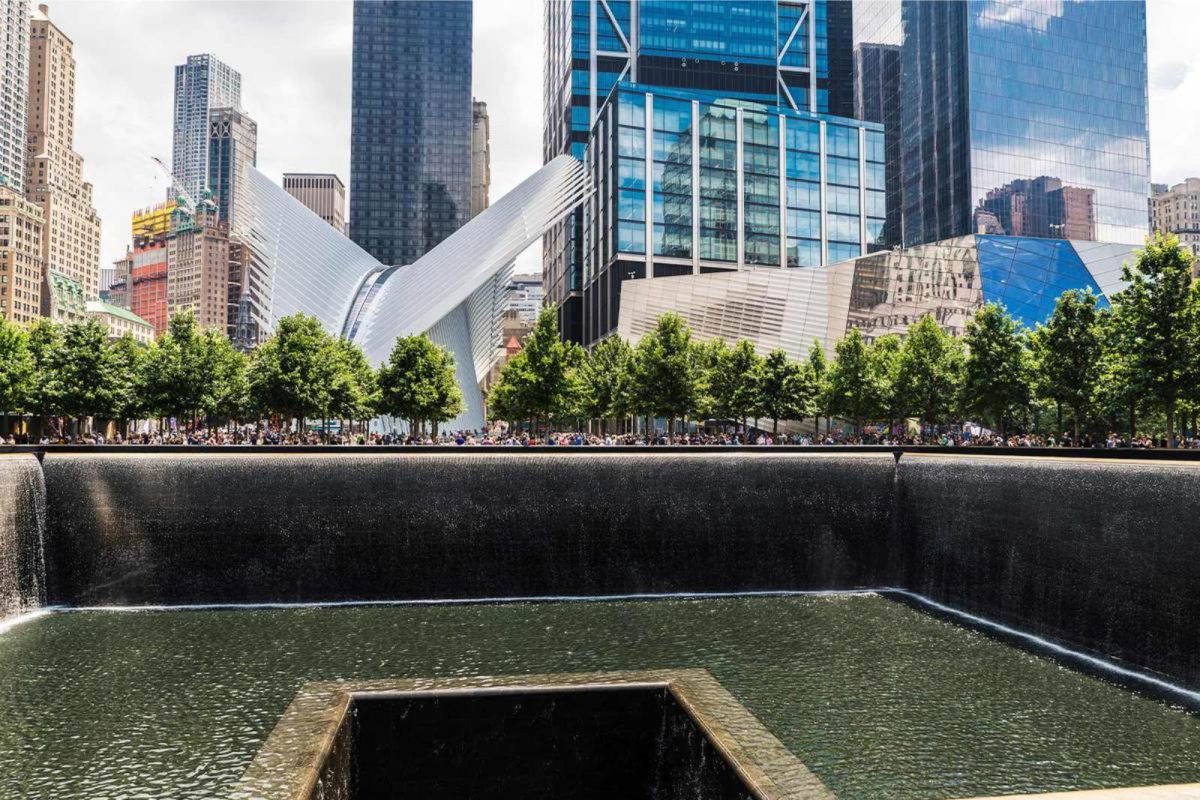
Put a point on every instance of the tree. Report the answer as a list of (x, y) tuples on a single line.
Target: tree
[(227, 395), (883, 357), (126, 366), (1162, 307), (850, 393), (785, 390), (84, 370), (539, 382), (733, 382), (354, 394), (929, 371), (1067, 355), (995, 381), (818, 366), (1119, 387), (418, 383), (667, 370), (16, 370), (604, 377), (291, 372), (46, 387)]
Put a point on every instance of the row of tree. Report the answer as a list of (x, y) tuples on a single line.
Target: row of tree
[(1102, 366), (58, 372)]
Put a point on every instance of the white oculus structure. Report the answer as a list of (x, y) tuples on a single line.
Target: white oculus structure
[(297, 263)]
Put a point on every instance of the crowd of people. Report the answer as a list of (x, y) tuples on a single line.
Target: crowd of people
[(272, 436)]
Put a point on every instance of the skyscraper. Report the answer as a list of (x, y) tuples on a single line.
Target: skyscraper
[(201, 84), (481, 158), (53, 170), (324, 194), (411, 122), (232, 147), (1022, 118), (791, 54), (14, 36)]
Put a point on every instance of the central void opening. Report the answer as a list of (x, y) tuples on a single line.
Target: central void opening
[(539, 744)]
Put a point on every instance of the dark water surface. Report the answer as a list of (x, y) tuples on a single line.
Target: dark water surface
[(879, 700)]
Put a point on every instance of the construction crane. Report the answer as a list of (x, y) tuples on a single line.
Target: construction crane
[(179, 190)]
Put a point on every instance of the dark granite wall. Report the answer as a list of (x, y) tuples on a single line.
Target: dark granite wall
[(164, 528), (1102, 555), (22, 511)]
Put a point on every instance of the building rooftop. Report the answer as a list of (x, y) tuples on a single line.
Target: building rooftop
[(101, 307)]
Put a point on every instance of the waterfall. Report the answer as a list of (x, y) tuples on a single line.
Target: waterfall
[(22, 535)]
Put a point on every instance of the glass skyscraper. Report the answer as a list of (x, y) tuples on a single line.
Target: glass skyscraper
[(1010, 117), (411, 121), (792, 54), (201, 84)]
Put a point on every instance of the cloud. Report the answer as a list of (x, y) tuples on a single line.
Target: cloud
[(1169, 75)]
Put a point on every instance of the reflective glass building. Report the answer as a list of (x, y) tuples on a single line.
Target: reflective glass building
[(796, 54), (687, 186), (1014, 117), (411, 120)]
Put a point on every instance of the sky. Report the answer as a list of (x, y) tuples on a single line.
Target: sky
[(294, 57)]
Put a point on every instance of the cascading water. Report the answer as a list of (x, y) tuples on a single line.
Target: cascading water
[(22, 535)]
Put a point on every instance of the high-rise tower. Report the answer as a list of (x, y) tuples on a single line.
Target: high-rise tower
[(411, 117), (1022, 118), (53, 170), (14, 36), (201, 84), (792, 54), (232, 148)]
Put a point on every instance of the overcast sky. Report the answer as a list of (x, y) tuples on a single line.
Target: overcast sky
[(294, 58)]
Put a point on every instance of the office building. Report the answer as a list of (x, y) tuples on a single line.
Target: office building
[(324, 194), (146, 264), (202, 83), (21, 265), (63, 299), (525, 296), (411, 123), (198, 267), (792, 55), (120, 321), (1015, 118), (481, 158), (117, 291), (1177, 210), (688, 186), (53, 170), (14, 89), (232, 147)]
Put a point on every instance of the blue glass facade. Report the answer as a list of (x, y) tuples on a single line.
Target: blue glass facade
[(794, 54), (1028, 275), (411, 121), (688, 186), (1012, 117)]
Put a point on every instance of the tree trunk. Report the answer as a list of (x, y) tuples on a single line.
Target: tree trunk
[(774, 426), (1132, 420), (1171, 424), (1058, 417), (1075, 426)]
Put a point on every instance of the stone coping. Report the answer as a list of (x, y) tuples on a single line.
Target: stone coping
[(1176, 791), (288, 766)]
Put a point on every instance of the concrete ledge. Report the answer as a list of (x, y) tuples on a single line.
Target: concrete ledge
[(291, 763), (1176, 791)]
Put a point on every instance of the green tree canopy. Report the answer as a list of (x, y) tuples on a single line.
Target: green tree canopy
[(1067, 354), (734, 381), (292, 371), (850, 390), (667, 370), (16, 368), (786, 389), (605, 379), (995, 383), (883, 401), (418, 383), (126, 365), (1161, 305), (83, 369), (929, 371), (46, 351)]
